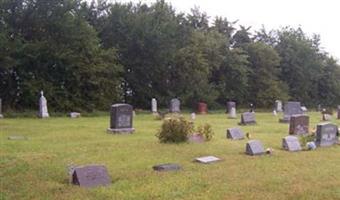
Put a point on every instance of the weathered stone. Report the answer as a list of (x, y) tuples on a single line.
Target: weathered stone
[(167, 167), (291, 143), (74, 114), (91, 176), (299, 125), (43, 111), (231, 109), (304, 109), (291, 108), (207, 159), (278, 106), (254, 148), (326, 134), (326, 117), (193, 116), (175, 106), (17, 137), (202, 108), (153, 105), (247, 118), (235, 133), (121, 119)]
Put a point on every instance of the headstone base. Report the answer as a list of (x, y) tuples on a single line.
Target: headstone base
[(120, 130)]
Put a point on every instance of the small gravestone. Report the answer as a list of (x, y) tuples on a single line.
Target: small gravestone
[(43, 111), (1, 116), (202, 108), (121, 119), (326, 134), (274, 113), (74, 114), (326, 117), (247, 118), (235, 133), (291, 143), (254, 148), (167, 167), (338, 112), (175, 106), (17, 137), (153, 105), (207, 159), (196, 138), (91, 176), (278, 106), (231, 109), (304, 109), (193, 116), (251, 107), (291, 108), (299, 125)]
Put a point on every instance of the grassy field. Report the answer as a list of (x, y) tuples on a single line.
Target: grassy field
[(37, 168)]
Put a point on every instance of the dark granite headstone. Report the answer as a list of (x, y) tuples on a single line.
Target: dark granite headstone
[(91, 176), (254, 147), (291, 143), (175, 106), (247, 118), (326, 134), (121, 118), (299, 125), (291, 108), (235, 133), (167, 167)]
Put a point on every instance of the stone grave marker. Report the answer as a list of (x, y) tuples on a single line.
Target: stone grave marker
[(304, 109), (278, 106), (74, 114), (202, 108), (254, 148), (299, 125), (167, 167), (326, 117), (247, 118), (235, 133), (1, 115), (17, 137), (43, 111), (153, 105), (175, 106), (207, 159), (121, 119), (291, 143), (326, 134), (231, 109), (91, 176), (291, 108), (338, 111), (193, 116)]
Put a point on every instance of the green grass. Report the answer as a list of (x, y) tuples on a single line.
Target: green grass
[(36, 168)]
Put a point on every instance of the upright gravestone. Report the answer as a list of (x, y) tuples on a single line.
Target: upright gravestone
[(278, 106), (326, 134), (202, 108), (231, 109), (254, 147), (291, 108), (43, 112), (291, 143), (175, 106), (247, 118), (153, 105), (1, 116), (121, 118), (299, 125), (338, 111), (90, 176), (235, 133)]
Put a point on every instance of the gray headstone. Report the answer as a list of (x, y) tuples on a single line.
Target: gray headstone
[(299, 125), (278, 106), (291, 143), (167, 167), (74, 114), (254, 147), (235, 133), (121, 119), (291, 108), (1, 116), (17, 137), (326, 134), (231, 109), (247, 118), (153, 105), (43, 111), (91, 176), (207, 159), (175, 106)]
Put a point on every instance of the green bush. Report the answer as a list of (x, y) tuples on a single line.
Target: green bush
[(175, 130), (306, 138), (206, 131)]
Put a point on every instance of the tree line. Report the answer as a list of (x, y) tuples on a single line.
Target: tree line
[(88, 55)]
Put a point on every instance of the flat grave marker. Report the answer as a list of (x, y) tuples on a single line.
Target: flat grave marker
[(91, 176), (207, 159), (167, 167)]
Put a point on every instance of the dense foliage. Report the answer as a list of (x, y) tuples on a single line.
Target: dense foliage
[(175, 130), (86, 56)]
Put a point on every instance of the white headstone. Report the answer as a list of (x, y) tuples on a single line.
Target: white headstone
[(274, 113), (278, 106), (153, 105), (193, 116), (207, 159), (43, 112), (232, 113)]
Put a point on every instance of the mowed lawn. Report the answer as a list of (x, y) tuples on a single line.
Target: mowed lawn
[(37, 168)]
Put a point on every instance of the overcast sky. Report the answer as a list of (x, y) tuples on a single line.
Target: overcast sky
[(314, 16)]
